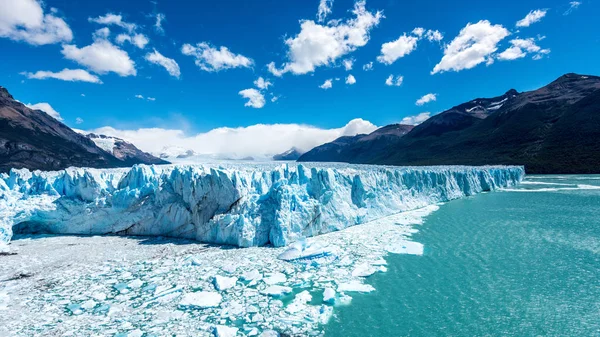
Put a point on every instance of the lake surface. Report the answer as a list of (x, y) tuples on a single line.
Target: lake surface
[(522, 262)]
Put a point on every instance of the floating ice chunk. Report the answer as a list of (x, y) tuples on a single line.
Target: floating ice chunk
[(405, 247), (269, 333), (224, 331), (202, 299), (302, 250), (276, 291), (135, 333), (299, 302), (257, 318), (135, 284), (328, 295), (253, 275), (275, 278), (88, 305), (99, 296), (223, 283), (355, 286)]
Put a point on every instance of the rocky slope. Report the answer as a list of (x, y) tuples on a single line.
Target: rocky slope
[(555, 129), (34, 140)]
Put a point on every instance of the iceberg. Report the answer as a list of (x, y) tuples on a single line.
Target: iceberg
[(232, 204)]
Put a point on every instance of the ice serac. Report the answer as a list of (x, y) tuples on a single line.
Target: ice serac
[(241, 205)]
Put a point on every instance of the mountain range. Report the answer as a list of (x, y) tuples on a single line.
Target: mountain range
[(32, 139), (554, 129)]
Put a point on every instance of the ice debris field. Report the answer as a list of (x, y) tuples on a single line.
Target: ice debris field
[(125, 286)]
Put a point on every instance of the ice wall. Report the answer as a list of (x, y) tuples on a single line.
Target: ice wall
[(241, 205)]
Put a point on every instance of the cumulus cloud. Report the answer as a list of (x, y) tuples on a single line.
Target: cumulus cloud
[(209, 58), (396, 82), (113, 19), (25, 20), (531, 18), (406, 44), (255, 98), (321, 45), (252, 141), (101, 57), (474, 45), (573, 5), (520, 48), (102, 33), (47, 108), (368, 66), (416, 120), (434, 35), (324, 9), (262, 84), (327, 84), (348, 63), (138, 40), (71, 75), (391, 51), (426, 99), (169, 64), (350, 79), (78, 120)]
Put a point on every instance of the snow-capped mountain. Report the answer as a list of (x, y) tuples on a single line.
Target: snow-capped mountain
[(33, 139)]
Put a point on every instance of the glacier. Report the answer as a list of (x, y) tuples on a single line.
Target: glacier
[(243, 205)]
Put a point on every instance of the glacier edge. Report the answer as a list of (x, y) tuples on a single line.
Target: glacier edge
[(234, 204)]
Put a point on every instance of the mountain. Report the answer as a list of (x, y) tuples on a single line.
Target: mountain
[(123, 150), (354, 148), (555, 129), (291, 154), (34, 140)]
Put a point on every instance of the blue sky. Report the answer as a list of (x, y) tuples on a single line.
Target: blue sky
[(552, 38)]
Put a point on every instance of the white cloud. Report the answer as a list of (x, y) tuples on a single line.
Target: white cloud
[(321, 45), (262, 84), (396, 82), (426, 99), (531, 18), (434, 36), (255, 140), (71, 75), (152, 99), (520, 48), (209, 58), (327, 84), (139, 96), (348, 63), (573, 6), (78, 120), (47, 108), (255, 98), (416, 120), (368, 66), (138, 40), (350, 79), (25, 20), (419, 31), (160, 17), (324, 9), (113, 19), (169, 64), (391, 51), (101, 57), (473, 45), (102, 33)]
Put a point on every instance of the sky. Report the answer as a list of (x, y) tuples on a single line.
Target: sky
[(259, 77)]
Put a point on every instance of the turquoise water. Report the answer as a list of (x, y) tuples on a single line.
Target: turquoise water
[(517, 263)]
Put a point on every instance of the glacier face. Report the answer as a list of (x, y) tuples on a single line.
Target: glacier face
[(235, 204)]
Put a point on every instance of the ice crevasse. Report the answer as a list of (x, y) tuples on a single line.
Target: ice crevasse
[(235, 204)]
